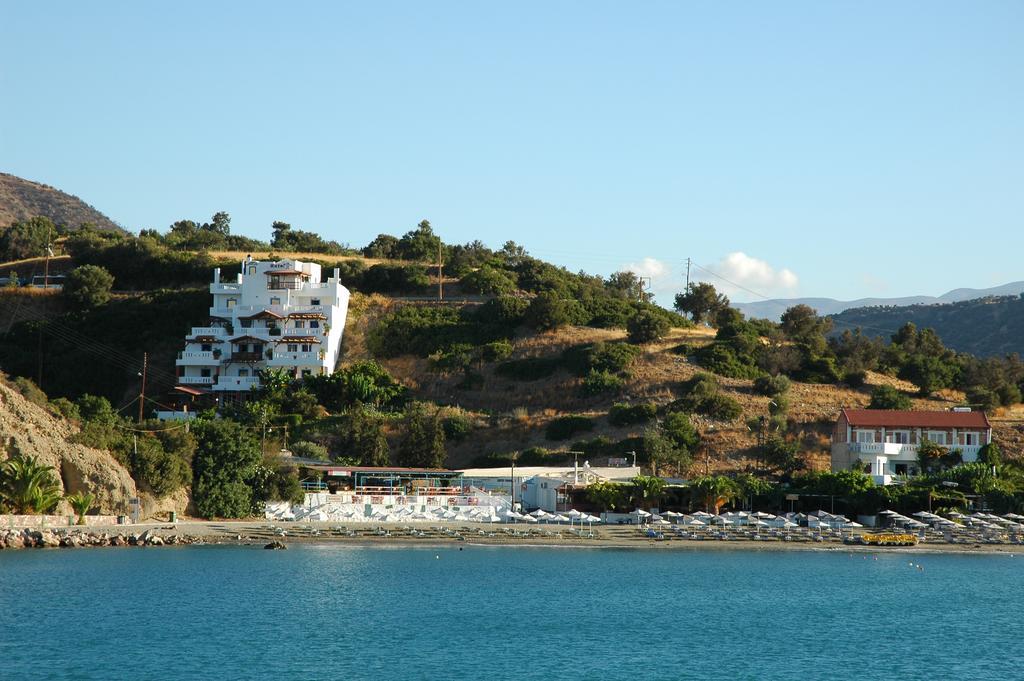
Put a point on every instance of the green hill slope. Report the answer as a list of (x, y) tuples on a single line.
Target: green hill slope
[(984, 327)]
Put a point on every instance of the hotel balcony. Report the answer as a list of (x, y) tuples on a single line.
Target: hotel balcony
[(901, 451), (246, 357), (218, 331), (290, 359), (237, 383), (197, 358), (196, 380)]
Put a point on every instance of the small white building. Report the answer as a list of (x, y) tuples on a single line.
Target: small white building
[(276, 314), (545, 487)]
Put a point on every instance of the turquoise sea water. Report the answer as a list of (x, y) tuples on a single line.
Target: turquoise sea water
[(338, 612)]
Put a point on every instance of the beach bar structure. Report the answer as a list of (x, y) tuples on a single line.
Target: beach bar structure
[(368, 490), (372, 480)]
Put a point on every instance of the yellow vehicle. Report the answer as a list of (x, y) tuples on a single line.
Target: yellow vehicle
[(889, 539)]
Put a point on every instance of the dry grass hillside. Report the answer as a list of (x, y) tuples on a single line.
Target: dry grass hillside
[(511, 415), (22, 199)]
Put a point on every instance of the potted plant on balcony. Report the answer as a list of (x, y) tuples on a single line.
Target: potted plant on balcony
[(275, 331), (217, 353), (270, 354)]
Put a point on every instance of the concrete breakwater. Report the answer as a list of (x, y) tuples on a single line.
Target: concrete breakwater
[(29, 538)]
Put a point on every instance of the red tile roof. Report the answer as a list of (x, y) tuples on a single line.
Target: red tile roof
[(891, 418)]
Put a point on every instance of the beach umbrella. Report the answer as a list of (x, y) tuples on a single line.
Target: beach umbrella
[(702, 514), (539, 514)]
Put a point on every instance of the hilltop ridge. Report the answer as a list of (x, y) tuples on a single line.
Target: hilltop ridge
[(21, 199)]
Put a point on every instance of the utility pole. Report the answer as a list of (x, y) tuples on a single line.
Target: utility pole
[(440, 279), (46, 287), (142, 390), (687, 275)]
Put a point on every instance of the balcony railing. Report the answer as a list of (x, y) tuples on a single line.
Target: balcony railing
[(237, 382), (219, 331), (294, 358), (196, 380), (895, 449), (186, 358), (246, 356)]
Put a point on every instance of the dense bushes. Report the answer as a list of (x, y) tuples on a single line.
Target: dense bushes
[(600, 382), (604, 357), (701, 395), (646, 327), (888, 397), (565, 427), (622, 414)]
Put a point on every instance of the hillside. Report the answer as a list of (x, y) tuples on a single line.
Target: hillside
[(773, 309), (22, 199), (512, 415), (984, 327), (32, 430)]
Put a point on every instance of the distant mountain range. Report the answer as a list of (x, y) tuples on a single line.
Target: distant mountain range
[(22, 199), (984, 327), (773, 309)]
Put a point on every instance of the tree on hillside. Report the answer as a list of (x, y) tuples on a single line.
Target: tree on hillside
[(384, 246), (226, 457), (646, 327), (629, 286), (888, 397), (420, 244), (548, 311), (87, 287), (367, 441), (27, 239), (701, 301), (802, 324), (423, 445)]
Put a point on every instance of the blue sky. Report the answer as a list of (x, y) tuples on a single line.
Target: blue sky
[(832, 149)]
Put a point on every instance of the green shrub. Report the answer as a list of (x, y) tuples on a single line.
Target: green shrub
[(646, 327), (855, 378), (30, 391), (488, 280), (600, 382), (701, 395), (771, 386), (564, 427), (457, 427), (384, 278), (496, 351), (305, 449), (604, 357), (723, 359), (622, 414), (888, 397), (529, 369), (720, 407)]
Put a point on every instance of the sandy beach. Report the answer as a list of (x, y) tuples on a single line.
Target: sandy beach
[(257, 532)]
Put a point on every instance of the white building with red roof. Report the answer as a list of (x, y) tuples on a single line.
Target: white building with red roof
[(886, 441), (276, 314)]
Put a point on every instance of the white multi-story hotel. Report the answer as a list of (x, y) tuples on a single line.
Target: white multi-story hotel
[(277, 315)]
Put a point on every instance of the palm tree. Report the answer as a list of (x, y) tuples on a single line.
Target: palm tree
[(81, 502), (647, 487), (28, 486), (715, 490)]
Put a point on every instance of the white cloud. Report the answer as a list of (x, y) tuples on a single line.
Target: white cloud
[(745, 272), (665, 282), (648, 267)]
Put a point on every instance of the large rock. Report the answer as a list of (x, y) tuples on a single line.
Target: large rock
[(34, 431)]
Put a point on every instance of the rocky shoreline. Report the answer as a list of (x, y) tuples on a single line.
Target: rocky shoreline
[(42, 539)]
